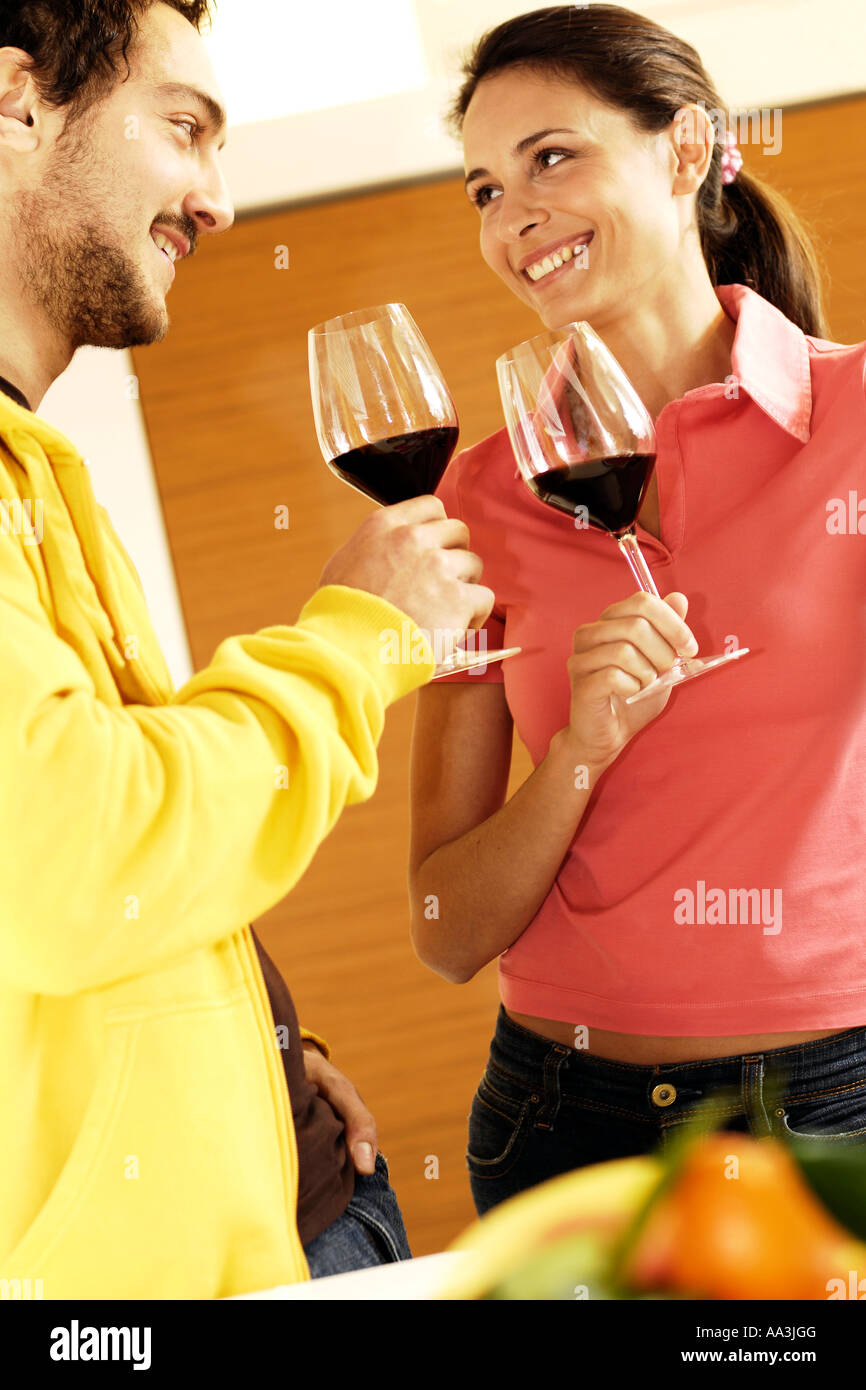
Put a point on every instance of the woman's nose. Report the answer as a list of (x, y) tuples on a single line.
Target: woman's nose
[(517, 215)]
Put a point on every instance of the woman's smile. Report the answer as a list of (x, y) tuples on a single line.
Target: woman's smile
[(541, 267)]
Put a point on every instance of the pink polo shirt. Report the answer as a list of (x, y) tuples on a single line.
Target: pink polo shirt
[(716, 882)]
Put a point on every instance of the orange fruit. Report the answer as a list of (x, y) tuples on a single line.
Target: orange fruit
[(740, 1221)]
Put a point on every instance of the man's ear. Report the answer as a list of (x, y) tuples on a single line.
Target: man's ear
[(19, 102)]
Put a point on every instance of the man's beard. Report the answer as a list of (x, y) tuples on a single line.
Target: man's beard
[(88, 288)]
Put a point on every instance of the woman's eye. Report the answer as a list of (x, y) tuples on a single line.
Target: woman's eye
[(482, 196), (543, 154)]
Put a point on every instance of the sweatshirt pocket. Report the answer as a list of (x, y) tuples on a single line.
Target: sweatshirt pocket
[(29, 1256), (176, 1185)]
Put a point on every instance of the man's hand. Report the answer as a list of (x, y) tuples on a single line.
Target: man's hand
[(338, 1091), (416, 557)]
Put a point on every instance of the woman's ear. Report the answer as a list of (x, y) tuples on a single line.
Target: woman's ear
[(692, 137)]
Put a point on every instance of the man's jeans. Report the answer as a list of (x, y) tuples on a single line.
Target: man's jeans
[(542, 1109), (369, 1232)]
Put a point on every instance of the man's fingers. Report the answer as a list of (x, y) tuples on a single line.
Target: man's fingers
[(413, 511), (363, 1156), (449, 534), (483, 600), (360, 1126), (362, 1139), (465, 565)]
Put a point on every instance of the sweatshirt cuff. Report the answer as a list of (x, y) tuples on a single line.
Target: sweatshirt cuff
[(307, 1036), (389, 644)]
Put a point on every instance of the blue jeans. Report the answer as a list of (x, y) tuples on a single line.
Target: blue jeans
[(542, 1109), (369, 1232)]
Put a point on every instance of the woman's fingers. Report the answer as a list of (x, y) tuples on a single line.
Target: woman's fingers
[(645, 631)]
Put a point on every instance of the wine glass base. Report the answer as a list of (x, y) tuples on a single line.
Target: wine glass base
[(462, 660), (685, 670)]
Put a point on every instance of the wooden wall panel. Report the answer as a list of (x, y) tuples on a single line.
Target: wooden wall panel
[(227, 408)]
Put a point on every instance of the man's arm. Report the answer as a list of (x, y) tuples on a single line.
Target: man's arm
[(139, 833)]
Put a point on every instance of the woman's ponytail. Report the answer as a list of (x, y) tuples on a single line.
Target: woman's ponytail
[(750, 235)]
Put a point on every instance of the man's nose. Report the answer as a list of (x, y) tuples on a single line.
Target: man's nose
[(210, 206)]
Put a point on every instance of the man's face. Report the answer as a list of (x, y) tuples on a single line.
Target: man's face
[(141, 162)]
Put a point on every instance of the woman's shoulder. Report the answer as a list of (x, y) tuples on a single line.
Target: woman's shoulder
[(851, 351), (837, 371)]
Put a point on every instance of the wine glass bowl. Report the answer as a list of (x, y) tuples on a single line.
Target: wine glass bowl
[(377, 430), (385, 420), (585, 444)]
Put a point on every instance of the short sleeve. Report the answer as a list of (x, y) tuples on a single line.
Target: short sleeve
[(492, 635)]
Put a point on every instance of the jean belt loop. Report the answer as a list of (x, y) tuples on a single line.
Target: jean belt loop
[(556, 1059), (756, 1110)]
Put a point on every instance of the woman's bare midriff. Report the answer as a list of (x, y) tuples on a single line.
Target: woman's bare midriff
[(646, 1051)]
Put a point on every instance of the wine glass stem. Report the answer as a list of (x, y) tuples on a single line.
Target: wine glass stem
[(637, 564), (640, 569)]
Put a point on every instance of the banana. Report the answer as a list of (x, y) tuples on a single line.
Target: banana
[(601, 1199)]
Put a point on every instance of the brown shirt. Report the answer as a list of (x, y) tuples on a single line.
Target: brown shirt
[(326, 1173)]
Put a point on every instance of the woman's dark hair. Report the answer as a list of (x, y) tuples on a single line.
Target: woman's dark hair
[(750, 235), (76, 46)]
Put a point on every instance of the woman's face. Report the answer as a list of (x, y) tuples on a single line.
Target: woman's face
[(592, 187)]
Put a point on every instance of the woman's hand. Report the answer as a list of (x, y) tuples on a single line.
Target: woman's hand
[(632, 642)]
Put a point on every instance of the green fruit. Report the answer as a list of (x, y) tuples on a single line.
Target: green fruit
[(594, 1204), (571, 1269)]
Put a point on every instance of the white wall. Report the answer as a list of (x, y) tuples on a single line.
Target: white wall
[(91, 404), (797, 50)]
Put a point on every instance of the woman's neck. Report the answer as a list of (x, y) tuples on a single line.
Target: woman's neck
[(673, 345)]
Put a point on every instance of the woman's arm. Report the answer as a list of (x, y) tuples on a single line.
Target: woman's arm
[(481, 867)]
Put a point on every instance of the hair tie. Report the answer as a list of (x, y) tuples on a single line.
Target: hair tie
[(732, 160)]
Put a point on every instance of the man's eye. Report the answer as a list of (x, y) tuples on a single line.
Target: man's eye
[(192, 126)]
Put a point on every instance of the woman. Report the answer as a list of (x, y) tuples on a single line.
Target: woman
[(674, 892)]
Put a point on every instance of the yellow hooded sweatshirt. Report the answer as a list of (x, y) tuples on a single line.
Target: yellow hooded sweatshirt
[(146, 1139)]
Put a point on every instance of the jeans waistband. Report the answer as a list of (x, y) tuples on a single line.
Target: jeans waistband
[(839, 1059)]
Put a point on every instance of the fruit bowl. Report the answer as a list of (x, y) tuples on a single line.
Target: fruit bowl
[(719, 1215)]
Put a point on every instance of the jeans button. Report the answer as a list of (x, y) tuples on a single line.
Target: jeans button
[(662, 1095)]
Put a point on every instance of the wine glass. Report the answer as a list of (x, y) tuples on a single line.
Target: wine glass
[(586, 444), (385, 420)]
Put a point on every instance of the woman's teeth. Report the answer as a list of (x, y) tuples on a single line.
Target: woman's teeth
[(553, 262)]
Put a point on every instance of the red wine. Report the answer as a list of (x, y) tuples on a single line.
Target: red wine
[(610, 488), (395, 469)]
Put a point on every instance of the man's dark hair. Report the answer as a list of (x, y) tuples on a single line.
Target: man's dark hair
[(77, 46)]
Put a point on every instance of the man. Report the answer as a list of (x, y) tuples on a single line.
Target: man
[(148, 1143)]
